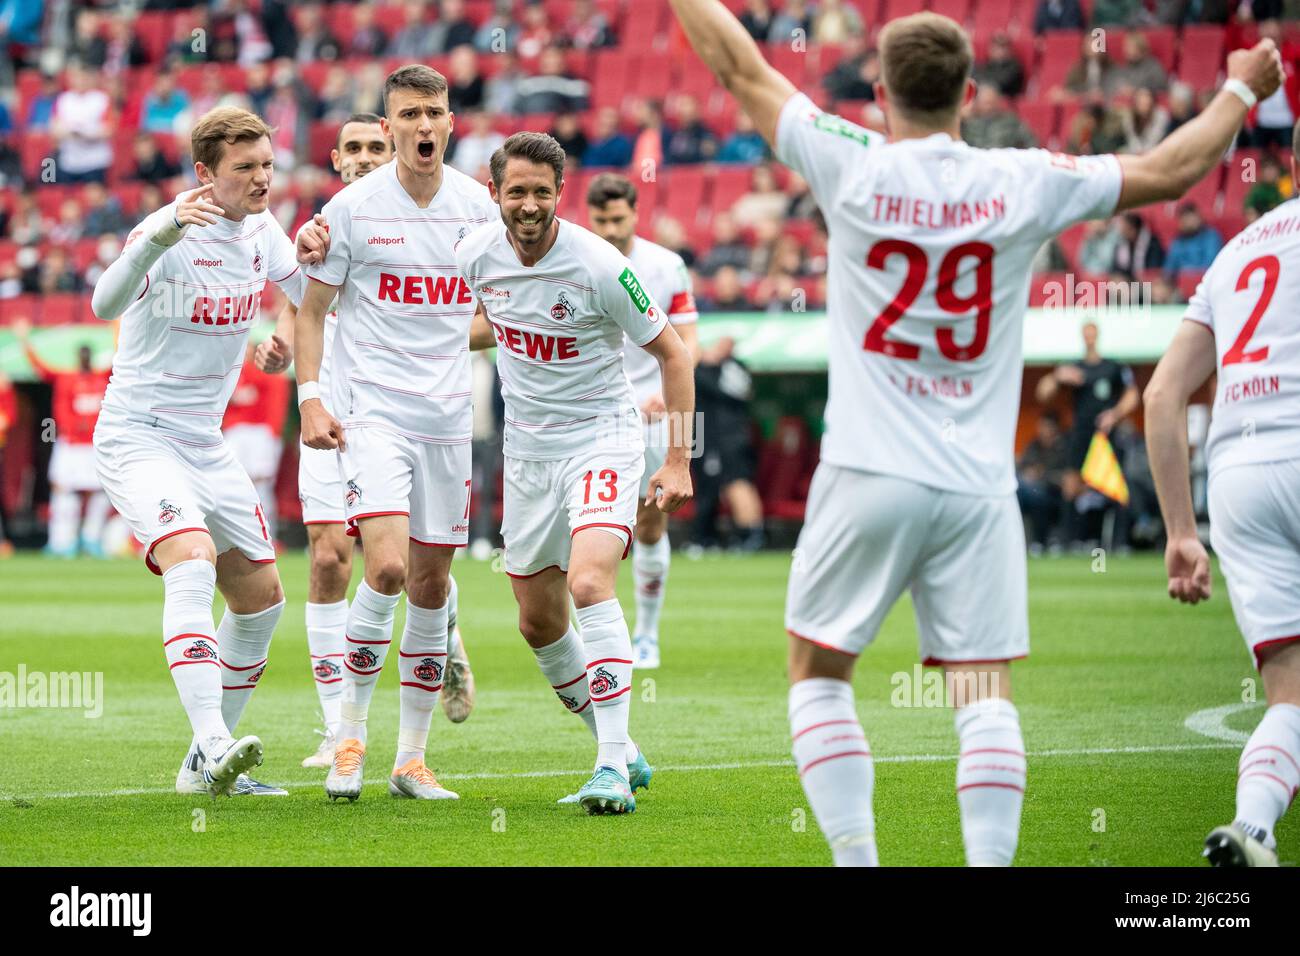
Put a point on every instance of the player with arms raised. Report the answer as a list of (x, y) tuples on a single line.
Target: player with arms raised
[(611, 209), (558, 301), (187, 287), (930, 251), (1241, 326), (400, 388)]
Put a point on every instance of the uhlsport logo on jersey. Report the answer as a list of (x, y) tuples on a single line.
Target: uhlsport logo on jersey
[(353, 493), (602, 682), (428, 670), (362, 659), (168, 512), (326, 669), (200, 651), (629, 281), (563, 308)]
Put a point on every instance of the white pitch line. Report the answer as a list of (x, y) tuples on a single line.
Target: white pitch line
[(1212, 723), (679, 768)]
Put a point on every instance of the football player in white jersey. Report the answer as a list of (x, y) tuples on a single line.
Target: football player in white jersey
[(611, 210), (558, 302), (930, 251), (187, 288), (1241, 326), (400, 388), (361, 147)]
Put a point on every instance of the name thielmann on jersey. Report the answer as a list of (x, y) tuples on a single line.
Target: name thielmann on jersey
[(1067, 298), (627, 430)]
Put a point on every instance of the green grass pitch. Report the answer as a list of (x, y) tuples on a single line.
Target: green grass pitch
[(1115, 776)]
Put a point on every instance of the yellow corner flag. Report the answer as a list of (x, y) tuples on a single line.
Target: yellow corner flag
[(1101, 470)]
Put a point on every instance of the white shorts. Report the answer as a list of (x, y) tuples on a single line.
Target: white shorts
[(1255, 530), (257, 449), (384, 473), (320, 486), (163, 486), (72, 467), (869, 536), (656, 450), (548, 502)]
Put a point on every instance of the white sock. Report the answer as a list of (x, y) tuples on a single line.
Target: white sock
[(244, 640), (609, 679), (990, 780), (97, 508), (650, 575), (65, 515), (326, 625), (191, 645), (1268, 774), (421, 661), (835, 767), (564, 665), (369, 635)]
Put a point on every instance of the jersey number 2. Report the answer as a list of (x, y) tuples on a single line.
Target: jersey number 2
[(981, 299), (1238, 352)]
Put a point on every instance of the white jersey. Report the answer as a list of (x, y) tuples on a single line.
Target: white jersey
[(559, 328), (1248, 299), (665, 277), (931, 242), (182, 342), (400, 354)]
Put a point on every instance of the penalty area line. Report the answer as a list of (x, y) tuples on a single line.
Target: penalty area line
[(667, 768)]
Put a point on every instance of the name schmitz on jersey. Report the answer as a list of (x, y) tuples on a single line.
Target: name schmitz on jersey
[(1247, 298), (400, 353), (560, 329), (665, 276), (931, 243), (182, 341)]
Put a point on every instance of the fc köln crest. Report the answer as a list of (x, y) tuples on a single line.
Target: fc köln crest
[(428, 670), (562, 309), (257, 258), (353, 493), (168, 512)]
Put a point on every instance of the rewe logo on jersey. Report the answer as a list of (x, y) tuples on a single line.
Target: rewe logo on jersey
[(225, 310), (539, 348), (424, 290)]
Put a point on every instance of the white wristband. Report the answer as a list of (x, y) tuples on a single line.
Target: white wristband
[(307, 391), (1243, 92)]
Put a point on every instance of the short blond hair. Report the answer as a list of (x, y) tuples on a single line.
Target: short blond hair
[(221, 127), (925, 61)]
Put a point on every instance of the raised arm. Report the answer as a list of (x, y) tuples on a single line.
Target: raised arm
[(1183, 158), (23, 330), (1184, 368), (731, 53)]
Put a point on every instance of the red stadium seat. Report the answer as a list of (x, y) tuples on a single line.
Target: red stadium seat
[(1060, 53), (1229, 224), (1163, 42), (683, 193), (1201, 55), (1187, 283), (1071, 241), (786, 459), (791, 63), (61, 308), (34, 148), (1240, 175), (955, 9), (729, 184), (608, 79), (648, 76), (321, 138), (154, 29), (1040, 116), (22, 307), (893, 9)]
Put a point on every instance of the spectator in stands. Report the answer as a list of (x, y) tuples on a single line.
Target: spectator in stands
[(1275, 116), (465, 87), (1040, 473), (1141, 69), (1057, 15), (764, 201), (106, 253), (499, 32), (11, 171), (258, 87), (801, 204), (474, 148), (334, 98), (536, 36), (1050, 257), (1002, 69), (26, 225), (757, 18), (670, 234), (315, 39), (609, 146), (727, 293), (11, 280), (118, 48), (1145, 121), (1138, 249), (40, 112), (1096, 129), (253, 42), (552, 90), (724, 388), (51, 274), (728, 250), (186, 48), (369, 94), (288, 114), (150, 201), (81, 125), (164, 104), (567, 131), (796, 15), (691, 140), (452, 29), (415, 40), (502, 90), (991, 124), (744, 145), (87, 44), (854, 77), (1164, 292), (1097, 251), (1196, 244), (1171, 12), (587, 28), (652, 135), (1116, 13), (103, 212), (366, 39), (151, 164), (762, 248), (278, 27), (1090, 77), (8, 417), (213, 93), (1182, 105), (1267, 192), (835, 22)]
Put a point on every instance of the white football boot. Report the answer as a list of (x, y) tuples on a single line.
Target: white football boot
[(189, 779), (225, 759), (323, 758), (1231, 846), (417, 782), (344, 778)]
